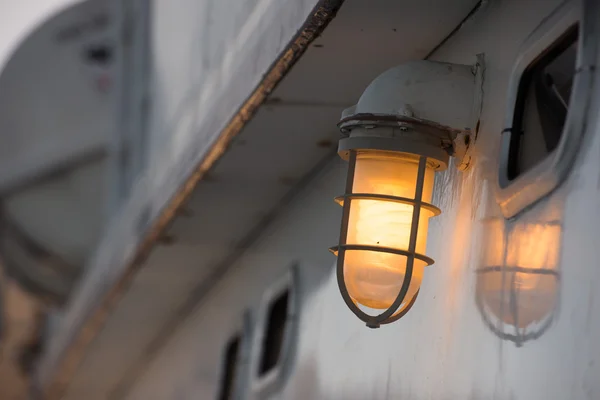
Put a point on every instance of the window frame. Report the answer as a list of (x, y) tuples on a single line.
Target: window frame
[(270, 381), (530, 186)]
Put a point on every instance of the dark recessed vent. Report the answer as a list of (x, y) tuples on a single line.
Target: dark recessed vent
[(274, 333), (99, 55), (228, 373)]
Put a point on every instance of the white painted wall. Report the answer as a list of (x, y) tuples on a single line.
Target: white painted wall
[(441, 349)]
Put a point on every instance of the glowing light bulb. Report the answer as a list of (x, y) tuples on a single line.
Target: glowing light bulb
[(375, 278)]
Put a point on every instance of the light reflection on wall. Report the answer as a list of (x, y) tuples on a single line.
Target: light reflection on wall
[(518, 277)]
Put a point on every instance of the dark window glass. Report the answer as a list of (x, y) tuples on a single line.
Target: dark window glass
[(542, 104), (229, 368), (275, 330)]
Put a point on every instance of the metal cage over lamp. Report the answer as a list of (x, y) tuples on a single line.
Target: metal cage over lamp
[(394, 140)]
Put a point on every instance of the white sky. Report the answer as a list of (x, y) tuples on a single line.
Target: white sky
[(18, 18)]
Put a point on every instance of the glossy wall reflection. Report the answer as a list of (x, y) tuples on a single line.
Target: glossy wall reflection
[(518, 277)]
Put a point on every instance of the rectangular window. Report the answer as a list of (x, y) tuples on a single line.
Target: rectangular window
[(542, 103)]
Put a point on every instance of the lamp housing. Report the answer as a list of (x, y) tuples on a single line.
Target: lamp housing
[(404, 128)]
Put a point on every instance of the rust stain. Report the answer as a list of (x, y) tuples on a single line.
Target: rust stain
[(167, 239), (360, 118), (186, 212), (273, 100), (325, 143)]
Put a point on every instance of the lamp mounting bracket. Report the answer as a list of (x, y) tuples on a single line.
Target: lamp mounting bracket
[(423, 107)]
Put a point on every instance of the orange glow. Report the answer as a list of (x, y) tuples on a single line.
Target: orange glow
[(531, 246), (537, 249), (374, 279)]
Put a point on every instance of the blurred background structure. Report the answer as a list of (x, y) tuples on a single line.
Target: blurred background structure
[(167, 175)]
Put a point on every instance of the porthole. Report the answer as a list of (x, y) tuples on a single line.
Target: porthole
[(548, 98)]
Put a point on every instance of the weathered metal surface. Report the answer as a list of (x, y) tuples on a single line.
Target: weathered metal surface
[(181, 163), (443, 348), (249, 188)]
